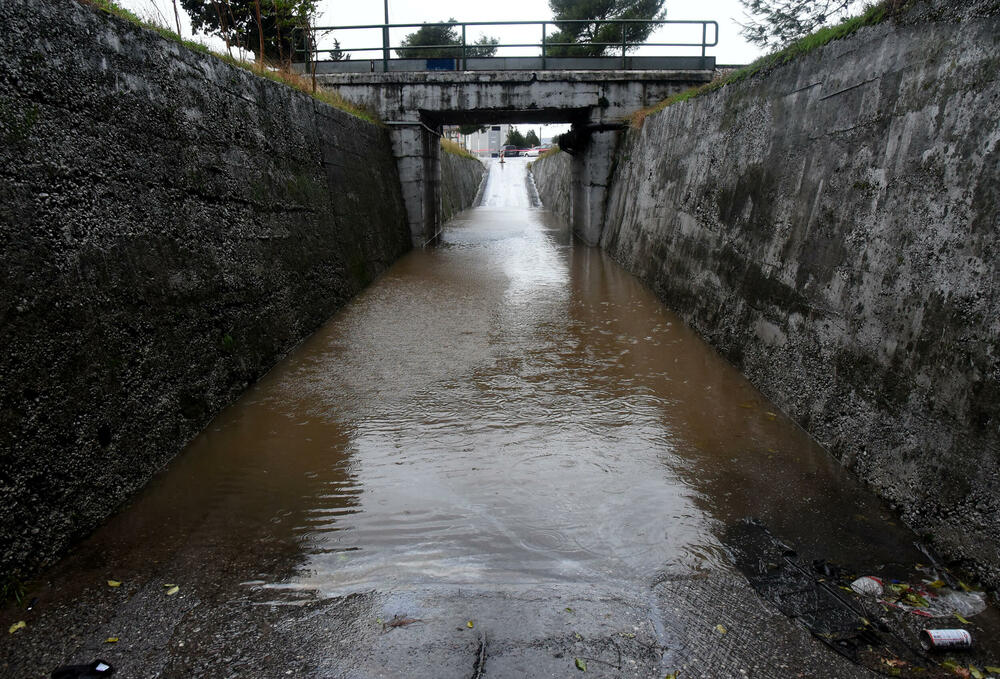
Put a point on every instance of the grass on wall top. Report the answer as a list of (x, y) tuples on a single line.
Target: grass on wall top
[(872, 16), (293, 80), (455, 149)]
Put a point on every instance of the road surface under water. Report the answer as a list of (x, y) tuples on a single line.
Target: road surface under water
[(509, 412)]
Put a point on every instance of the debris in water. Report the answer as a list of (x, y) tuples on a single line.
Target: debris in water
[(581, 665), (98, 668), (721, 629), (945, 639), (17, 626), (111, 640), (173, 590), (469, 624), (868, 585), (114, 583)]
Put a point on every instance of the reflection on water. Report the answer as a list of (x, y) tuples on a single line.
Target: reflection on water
[(507, 407)]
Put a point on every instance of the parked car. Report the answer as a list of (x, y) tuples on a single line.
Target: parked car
[(510, 151)]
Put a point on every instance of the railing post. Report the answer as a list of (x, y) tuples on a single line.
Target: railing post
[(385, 40), (463, 47), (623, 46), (704, 38), (543, 45)]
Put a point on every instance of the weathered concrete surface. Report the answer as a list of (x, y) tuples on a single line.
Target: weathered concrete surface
[(169, 227), (832, 228), (553, 176), (517, 96), (217, 627), (460, 181), (417, 104)]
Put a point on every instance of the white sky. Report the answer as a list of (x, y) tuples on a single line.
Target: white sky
[(732, 49)]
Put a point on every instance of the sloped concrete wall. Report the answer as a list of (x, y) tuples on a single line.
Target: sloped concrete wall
[(833, 229), (460, 181), (553, 177), (170, 226)]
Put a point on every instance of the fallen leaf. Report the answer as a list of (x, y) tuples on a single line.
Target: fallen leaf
[(569, 610), (580, 665), (956, 669), (169, 584), (974, 671), (962, 620), (992, 670), (114, 583), (469, 624), (672, 675), (19, 625), (721, 629), (111, 640), (173, 590), (628, 635), (937, 584)]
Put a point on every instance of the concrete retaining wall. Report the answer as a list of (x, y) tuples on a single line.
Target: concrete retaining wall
[(460, 181), (833, 229), (170, 226), (553, 177)]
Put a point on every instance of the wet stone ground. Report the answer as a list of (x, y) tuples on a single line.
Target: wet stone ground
[(503, 459)]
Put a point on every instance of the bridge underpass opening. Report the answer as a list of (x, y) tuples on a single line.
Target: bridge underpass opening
[(506, 453), (413, 104), (592, 148)]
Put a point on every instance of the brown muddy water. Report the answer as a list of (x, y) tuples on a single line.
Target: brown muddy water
[(510, 407)]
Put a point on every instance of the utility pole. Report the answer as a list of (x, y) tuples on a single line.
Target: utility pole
[(177, 18)]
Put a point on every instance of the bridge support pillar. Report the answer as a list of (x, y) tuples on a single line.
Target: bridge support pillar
[(592, 166), (417, 149)]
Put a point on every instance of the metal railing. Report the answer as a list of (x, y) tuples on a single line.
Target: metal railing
[(464, 50)]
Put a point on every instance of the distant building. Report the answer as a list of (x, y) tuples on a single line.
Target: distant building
[(487, 142)]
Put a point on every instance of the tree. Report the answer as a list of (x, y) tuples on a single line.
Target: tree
[(775, 23), (531, 140), (594, 12), (282, 30), (337, 54), (516, 138), (438, 36)]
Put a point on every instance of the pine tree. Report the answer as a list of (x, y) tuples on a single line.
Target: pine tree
[(595, 12)]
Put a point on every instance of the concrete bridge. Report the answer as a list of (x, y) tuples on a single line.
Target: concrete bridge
[(417, 104)]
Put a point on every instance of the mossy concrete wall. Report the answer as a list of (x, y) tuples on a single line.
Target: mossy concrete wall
[(461, 178), (553, 176), (833, 229), (170, 226)]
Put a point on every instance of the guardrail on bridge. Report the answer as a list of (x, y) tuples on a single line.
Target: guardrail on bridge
[(466, 56)]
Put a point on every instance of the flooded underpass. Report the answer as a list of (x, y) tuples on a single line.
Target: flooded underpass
[(505, 458)]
